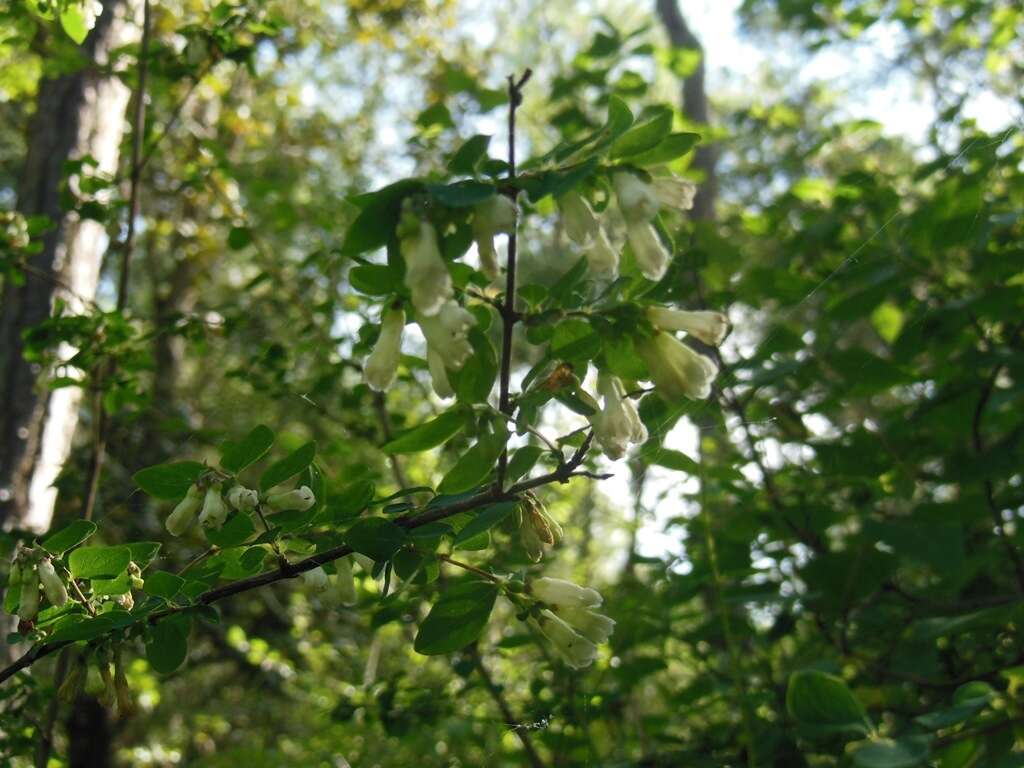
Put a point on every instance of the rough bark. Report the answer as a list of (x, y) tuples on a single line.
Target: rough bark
[(77, 114), (695, 106)]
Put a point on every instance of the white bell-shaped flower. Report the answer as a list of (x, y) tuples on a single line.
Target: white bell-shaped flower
[(242, 498), (602, 257), (648, 250), (493, 216), (184, 513), (637, 198), (574, 649), (344, 586), (594, 626), (676, 370), (618, 423), (382, 363), (709, 327), (301, 499), (578, 219), (447, 334), (438, 374), (315, 579), (674, 193), (215, 511), (53, 587), (426, 275), (559, 593)]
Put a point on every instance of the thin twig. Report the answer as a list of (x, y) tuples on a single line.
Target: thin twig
[(467, 567), (506, 712)]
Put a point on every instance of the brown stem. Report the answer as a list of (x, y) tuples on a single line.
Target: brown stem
[(508, 306)]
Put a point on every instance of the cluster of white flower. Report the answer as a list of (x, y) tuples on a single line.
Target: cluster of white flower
[(495, 215), (338, 588), (568, 619), (213, 510), (31, 570)]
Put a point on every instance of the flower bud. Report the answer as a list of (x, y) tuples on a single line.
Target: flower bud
[(426, 275), (494, 215), (122, 691), (53, 587), (382, 363), (649, 252), (180, 519), (561, 593), (438, 374), (674, 192), (108, 697), (215, 511), (28, 607), (602, 258), (73, 681), (125, 601), (618, 423), (344, 582), (578, 219), (676, 370), (574, 649), (315, 579), (300, 499), (536, 527), (243, 499), (709, 327), (447, 334), (637, 199)]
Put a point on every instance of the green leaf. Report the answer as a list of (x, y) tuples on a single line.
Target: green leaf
[(619, 117), (239, 237), (484, 520), (73, 22), (461, 194), (466, 158), (237, 529), (143, 552), (671, 147), (523, 461), (163, 584), (121, 585), (886, 753), (575, 340), (428, 434), (825, 703), (375, 224), (68, 537), (167, 645), (237, 456), (474, 382), (672, 459), (289, 466), (99, 562), (168, 481), (375, 279), (375, 537), (643, 137), (457, 619), (476, 464), (77, 628)]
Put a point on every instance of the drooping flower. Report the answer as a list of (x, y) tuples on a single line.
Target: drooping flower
[(365, 562), (637, 199), (183, 514), (580, 223), (648, 250), (602, 257), (243, 499), (574, 649), (215, 511), (315, 579), (618, 423), (676, 370), (344, 582), (495, 215), (709, 327), (536, 527), (594, 626), (426, 275), (561, 593), (53, 587), (122, 691), (301, 499), (447, 334), (674, 192), (28, 605), (438, 374), (382, 363)]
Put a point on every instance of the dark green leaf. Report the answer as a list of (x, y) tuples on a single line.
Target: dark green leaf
[(824, 703), (375, 537), (289, 466), (484, 520), (457, 619), (237, 456), (98, 562), (70, 536), (167, 645), (466, 158), (375, 279), (163, 584), (643, 137), (168, 481), (428, 434)]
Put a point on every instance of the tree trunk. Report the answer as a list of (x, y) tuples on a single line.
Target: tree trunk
[(77, 114), (695, 107)]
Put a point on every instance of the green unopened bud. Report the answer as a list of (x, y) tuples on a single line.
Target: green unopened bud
[(180, 519), (54, 588), (243, 499), (28, 606), (515, 586), (137, 582), (215, 511), (301, 499)]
